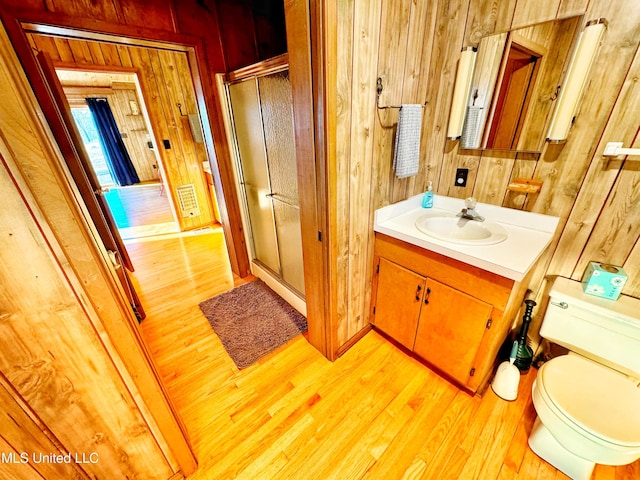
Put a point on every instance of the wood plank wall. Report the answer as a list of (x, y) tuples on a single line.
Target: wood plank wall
[(74, 384), (165, 80), (414, 47), (131, 125)]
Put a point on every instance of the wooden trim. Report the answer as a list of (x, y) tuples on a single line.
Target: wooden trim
[(353, 340), (92, 67), (87, 91), (309, 165), (325, 31), (260, 69), (221, 161), (67, 26)]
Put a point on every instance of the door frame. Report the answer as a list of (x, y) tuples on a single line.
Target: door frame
[(123, 330), (17, 24), (311, 34)]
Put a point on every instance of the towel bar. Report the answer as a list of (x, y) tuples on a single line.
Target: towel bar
[(379, 91)]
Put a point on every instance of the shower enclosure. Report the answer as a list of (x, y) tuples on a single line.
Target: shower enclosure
[(262, 119)]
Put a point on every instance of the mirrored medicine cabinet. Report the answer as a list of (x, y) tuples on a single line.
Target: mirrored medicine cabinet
[(514, 85)]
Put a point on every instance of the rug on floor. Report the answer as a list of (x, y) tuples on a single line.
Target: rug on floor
[(252, 321)]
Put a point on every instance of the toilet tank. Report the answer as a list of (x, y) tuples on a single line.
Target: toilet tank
[(606, 331)]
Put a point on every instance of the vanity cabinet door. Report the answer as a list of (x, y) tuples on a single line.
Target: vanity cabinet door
[(450, 330), (399, 296)]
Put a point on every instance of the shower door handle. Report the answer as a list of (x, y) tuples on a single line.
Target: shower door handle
[(274, 196)]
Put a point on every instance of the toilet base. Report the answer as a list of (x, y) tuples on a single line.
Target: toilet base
[(547, 447)]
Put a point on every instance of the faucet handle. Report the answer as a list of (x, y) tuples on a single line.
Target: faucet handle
[(470, 202)]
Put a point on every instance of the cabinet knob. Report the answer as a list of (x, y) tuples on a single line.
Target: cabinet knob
[(418, 292), (426, 297)]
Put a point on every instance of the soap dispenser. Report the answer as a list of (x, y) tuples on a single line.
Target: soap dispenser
[(427, 200)]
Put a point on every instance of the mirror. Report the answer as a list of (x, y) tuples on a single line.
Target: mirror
[(514, 85)]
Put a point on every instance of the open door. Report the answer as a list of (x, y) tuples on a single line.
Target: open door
[(58, 114)]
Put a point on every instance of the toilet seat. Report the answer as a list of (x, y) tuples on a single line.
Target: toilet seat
[(599, 402)]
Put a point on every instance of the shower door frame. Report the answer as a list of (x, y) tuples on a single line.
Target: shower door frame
[(273, 279)]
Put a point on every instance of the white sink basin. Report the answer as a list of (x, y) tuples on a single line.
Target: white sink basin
[(461, 231)]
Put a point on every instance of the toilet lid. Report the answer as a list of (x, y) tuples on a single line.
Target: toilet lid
[(599, 400)]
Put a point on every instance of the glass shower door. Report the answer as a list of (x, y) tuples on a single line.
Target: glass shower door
[(263, 123)]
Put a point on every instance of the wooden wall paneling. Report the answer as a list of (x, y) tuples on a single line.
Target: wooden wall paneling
[(22, 434), (47, 45), (486, 17), (104, 10), (413, 91), (366, 25), (469, 159), (194, 152), (55, 370), (523, 167), (529, 12), (158, 14), (80, 51), (48, 188), (201, 18), (601, 176), (64, 50), (26, 4), (429, 165), (238, 34), (394, 26), (617, 229), (340, 169), (96, 53), (493, 176), (125, 56), (160, 114), (563, 166), (110, 54), (569, 8), (135, 132), (179, 88), (448, 37)]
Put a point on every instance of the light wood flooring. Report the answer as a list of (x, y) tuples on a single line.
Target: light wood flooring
[(141, 210), (375, 413)]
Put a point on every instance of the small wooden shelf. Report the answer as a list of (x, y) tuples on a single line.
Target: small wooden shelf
[(525, 185)]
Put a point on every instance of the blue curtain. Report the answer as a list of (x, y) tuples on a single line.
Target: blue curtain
[(115, 152)]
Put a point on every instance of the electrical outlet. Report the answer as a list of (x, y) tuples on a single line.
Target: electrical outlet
[(461, 177)]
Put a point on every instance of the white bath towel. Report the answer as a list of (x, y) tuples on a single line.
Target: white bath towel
[(406, 157)]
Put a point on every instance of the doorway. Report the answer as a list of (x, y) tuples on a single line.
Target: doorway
[(140, 207)]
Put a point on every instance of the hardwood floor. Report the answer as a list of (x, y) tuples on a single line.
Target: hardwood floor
[(138, 206), (375, 413)]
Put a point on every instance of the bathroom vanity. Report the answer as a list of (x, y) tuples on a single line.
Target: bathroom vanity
[(448, 289)]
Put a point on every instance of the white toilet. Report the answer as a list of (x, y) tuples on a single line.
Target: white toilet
[(588, 402)]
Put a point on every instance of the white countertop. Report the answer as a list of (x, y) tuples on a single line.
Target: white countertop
[(529, 234)]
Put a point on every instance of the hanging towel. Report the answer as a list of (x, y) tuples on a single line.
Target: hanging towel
[(470, 130), (406, 157)]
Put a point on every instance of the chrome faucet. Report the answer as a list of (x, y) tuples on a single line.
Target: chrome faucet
[(469, 210)]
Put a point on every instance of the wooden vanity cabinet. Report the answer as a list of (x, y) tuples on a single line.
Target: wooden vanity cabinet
[(451, 314)]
